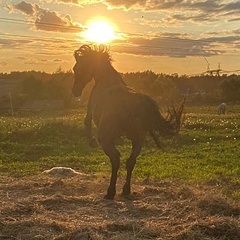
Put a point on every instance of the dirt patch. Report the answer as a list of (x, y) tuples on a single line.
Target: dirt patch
[(44, 207)]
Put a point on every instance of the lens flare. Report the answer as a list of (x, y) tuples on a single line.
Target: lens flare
[(99, 31)]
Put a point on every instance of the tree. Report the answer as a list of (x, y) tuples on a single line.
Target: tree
[(31, 88), (230, 89)]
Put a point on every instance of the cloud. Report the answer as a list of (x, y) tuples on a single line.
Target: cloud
[(26, 8), (206, 11), (156, 23), (46, 20), (69, 1), (196, 18), (181, 45), (126, 3), (185, 10), (227, 39), (51, 21), (12, 43), (234, 20), (20, 58), (75, 2), (223, 33), (169, 45)]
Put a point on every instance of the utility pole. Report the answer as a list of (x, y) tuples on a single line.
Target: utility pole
[(208, 65)]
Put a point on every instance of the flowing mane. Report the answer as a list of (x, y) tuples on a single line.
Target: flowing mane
[(101, 51)]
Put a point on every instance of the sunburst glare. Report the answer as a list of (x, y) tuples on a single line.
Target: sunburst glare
[(100, 31)]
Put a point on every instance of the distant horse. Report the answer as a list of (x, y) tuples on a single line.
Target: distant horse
[(222, 108), (118, 111)]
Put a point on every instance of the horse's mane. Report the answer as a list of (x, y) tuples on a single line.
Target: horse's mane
[(99, 51)]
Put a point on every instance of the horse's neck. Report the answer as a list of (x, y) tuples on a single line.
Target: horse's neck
[(107, 77)]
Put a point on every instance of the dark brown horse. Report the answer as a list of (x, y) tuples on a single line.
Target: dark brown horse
[(118, 111)]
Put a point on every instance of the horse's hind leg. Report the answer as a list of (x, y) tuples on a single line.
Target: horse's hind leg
[(114, 155), (131, 161)]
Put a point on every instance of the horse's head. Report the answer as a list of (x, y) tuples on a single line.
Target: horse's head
[(83, 69), (88, 59)]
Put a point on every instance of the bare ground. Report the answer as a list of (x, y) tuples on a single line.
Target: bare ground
[(46, 207)]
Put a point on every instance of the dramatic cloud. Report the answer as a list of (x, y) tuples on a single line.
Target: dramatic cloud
[(186, 10), (181, 45), (51, 21), (228, 39), (172, 46), (47, 20), (26, 8), (207, 11)]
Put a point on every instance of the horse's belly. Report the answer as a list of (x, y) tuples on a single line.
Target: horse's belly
[(122, 114)]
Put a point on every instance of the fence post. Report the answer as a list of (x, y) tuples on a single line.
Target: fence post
[(11, 105)]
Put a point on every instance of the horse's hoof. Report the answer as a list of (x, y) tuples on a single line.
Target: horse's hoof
[(126, 191), (108, 197)]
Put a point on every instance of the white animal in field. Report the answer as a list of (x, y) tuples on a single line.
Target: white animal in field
[(63, 172), (222, 108)]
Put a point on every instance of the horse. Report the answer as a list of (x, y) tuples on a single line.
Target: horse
[(222, 108), (117, 110)]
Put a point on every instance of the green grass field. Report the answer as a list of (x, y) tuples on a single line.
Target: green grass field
[(206, 150)]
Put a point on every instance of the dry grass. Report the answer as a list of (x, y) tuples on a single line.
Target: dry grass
[(44, 207)]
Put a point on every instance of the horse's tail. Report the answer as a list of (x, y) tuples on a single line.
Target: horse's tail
[(168, 126)]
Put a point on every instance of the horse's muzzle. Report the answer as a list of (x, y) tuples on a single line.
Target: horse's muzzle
[(77, 91)]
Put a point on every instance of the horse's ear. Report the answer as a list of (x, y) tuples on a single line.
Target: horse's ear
[(84, 49)]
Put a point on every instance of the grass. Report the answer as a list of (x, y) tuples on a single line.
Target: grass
[(207, 148), (189, 191)]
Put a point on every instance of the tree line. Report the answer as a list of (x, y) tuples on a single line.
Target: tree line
[(35, 85)]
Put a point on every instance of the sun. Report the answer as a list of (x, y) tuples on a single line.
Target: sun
[(100, 31)]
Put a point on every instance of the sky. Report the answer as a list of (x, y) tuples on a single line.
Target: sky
[(164, 36)]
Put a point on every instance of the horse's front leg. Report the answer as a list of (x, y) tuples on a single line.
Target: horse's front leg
[(88, 121)]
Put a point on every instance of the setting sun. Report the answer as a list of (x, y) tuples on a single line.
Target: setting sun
[(99, 31)]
